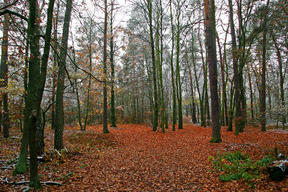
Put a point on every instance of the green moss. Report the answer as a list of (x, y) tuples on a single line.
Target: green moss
[(21, 167), (215, 140)]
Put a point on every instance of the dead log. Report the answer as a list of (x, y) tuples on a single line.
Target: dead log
[(278, 170)]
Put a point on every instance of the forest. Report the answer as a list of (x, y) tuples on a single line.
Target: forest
[(144, 95)]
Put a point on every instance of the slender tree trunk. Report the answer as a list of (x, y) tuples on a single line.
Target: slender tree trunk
[(89, 78), (55, 64), (235, 70), (159, 65), (210, 32), (178, 77), (222, 115), (4, 76), (224, 111), (105, 123), (251, 94), (58, 137), (154, 70), (198, 90), (279, 59), (77, 91), (231, 109), (202, 97), (174, 120), (193, 114), (112, 103), (263, 75)]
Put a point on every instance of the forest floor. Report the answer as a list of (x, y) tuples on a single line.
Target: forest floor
[(134, 158)]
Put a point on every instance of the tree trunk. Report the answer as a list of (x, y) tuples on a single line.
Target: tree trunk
[(31, 108), (105, 123), (58, 137), (55, 64), (154, 70), (202, 97), (4, 75), (279, 59), (193, 113), (112, 103), (159, 64), (178, 77), (210, 33), (89, 78), (174, 120), (40, 125), (34, 89), (251, 94), (236, 71), (263, 75), (224, 98), (77, 92)]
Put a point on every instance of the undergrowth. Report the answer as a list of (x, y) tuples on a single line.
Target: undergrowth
[(235, 166)]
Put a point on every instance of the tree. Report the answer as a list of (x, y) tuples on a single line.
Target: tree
[(174, 119), (35, 88), (159, 56), (210, 35), (4, 76), (178, 79), (105, 124), (112, 102), (235, 70), (155, 107), (263, 75), (59, 127)]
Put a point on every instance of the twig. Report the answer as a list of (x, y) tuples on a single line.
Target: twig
[(11, 4)]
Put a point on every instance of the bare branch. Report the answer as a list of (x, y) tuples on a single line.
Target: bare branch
[(11, 4), (13, 13)]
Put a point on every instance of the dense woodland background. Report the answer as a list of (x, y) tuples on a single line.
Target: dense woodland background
[(159, 63)]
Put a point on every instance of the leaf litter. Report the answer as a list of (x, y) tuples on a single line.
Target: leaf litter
[(134, 158)]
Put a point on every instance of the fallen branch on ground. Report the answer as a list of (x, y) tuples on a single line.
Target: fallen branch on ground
[(27, 182)]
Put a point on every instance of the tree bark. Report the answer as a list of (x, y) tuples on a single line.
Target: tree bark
[(178, 77), (210, 34), (4, 76), (263, 75), (159, 50), (154, 70), (58, 136), (112, 102), (174, 118), (235, 70), (280, 65), (105, 123), (34, 89)]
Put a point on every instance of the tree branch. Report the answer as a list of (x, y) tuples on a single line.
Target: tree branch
[(13, 13), (11, 4)]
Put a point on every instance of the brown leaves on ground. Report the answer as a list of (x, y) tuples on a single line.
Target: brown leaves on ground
[(134, 158)]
